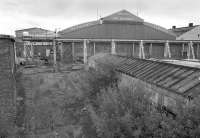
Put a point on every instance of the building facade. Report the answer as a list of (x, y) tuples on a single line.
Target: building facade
[(34, 42), (103, 34), (191, 32)]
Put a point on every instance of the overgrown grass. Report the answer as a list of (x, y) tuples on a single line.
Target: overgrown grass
[(123, 113)]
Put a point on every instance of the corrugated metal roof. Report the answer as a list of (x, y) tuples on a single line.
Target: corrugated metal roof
[(175, 78), (123, 15), (118, 31), (121, 25)]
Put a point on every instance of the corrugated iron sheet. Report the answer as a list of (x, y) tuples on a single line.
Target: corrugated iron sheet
[(175, 78)]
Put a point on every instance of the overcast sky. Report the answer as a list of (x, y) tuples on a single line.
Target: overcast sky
[(60, 14)]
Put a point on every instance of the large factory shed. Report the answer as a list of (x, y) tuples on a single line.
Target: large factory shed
[(108, 31), (120, 25)]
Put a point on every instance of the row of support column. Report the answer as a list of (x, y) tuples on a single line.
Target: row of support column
[(167, 51)]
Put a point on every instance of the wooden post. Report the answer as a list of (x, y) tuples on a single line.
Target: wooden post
[(73, 54), (94, 48), (113, 47), (54, 55), (85, 51), (133, 50)]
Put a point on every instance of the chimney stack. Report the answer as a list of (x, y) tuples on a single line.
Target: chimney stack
[(191, 24), (173, 27)]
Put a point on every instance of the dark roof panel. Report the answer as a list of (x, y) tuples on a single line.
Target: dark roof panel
[(176, 78)]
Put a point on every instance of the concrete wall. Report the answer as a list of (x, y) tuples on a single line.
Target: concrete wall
[(7, 87), (157, 95)]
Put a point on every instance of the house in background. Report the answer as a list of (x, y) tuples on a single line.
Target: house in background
[(191, 32)]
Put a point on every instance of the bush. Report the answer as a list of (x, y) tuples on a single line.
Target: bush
[(122, 113)]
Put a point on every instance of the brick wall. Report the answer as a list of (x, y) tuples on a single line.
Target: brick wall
[(7, 89)]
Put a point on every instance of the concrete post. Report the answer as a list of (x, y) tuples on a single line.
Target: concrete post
[(190, 51), (141, 50), (61, 51), (73, 51), (167, 53), (133, 50), (113, 47), (198, 51), (85, 51), (183, 49), (54, 55), (94, 48), (15, 52), (25, 51), (32, 50), (150, 50)]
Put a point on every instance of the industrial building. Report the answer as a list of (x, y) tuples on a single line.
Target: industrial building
[(121, 25), (121, 33), (40, 47)]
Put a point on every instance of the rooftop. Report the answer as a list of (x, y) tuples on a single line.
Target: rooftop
[(129, 25), (181, 30), (177, 78)]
